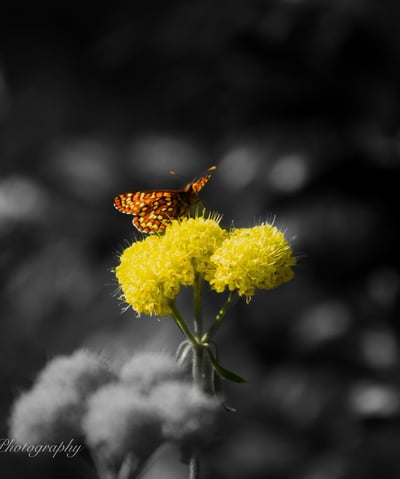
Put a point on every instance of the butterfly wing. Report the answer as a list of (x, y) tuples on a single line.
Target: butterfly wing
[(152, 210), (131, 203), (195, 186)]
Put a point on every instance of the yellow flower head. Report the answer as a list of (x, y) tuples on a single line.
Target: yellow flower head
[(252, 258), (152, 271), (195, 240)]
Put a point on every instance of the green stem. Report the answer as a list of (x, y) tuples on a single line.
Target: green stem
[(230, 302), (197, 366), (182, 325), (198, 363), (198, 297), (198, 354)]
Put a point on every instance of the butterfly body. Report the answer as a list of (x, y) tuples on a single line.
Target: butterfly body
[(153, 210)]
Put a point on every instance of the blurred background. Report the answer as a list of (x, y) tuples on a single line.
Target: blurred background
[(297, 102)]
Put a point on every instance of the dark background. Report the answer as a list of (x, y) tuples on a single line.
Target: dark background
[(297, 103)]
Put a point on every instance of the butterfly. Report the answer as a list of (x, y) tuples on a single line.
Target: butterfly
[(153, 210)]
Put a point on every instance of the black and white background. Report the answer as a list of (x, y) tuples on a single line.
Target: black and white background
[(297, 102)]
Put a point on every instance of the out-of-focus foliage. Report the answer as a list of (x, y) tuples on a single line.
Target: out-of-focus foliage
[(297, 103)]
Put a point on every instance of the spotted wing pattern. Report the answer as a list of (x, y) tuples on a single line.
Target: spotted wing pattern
[(153, 210)]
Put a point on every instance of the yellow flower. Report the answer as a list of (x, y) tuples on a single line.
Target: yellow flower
[(252, 258), (152, 271), (195, 239)]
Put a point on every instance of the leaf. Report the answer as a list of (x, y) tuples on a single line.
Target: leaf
[(224, 373)]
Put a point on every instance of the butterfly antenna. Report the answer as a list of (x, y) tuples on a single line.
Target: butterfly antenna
[(212, 168), (174, 173)]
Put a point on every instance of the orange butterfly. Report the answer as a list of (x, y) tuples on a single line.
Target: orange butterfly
[(153, 210)]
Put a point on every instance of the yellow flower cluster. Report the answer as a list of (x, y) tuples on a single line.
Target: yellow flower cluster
[(152, 271), (252, 258)]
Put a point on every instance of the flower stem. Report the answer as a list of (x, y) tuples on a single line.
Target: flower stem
[(198, 363), (194, 466), (198, 354), (230, 302), (182, 325), (197, 366), (197, 297)]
